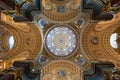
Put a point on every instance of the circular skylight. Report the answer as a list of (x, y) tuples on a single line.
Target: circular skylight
[(61, 41)]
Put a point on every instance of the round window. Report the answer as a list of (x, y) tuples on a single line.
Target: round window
[(61, 41)]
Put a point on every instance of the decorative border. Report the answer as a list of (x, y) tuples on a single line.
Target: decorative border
[(77, 42), (106, 41)]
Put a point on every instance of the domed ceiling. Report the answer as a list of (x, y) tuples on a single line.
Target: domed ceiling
[(60, 39)]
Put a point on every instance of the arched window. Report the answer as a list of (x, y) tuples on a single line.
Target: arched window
[(11, 42), (113, 41)]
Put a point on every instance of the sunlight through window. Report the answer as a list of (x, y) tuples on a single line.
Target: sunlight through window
[(11, 42), (113, 39)]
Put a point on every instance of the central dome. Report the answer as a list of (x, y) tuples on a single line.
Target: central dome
[(61, 40)]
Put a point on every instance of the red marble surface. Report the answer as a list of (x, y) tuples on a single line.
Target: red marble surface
[(6, 4), (7, 77), (115, 2)]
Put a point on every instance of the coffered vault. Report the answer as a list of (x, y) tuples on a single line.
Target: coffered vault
[(59, 39)]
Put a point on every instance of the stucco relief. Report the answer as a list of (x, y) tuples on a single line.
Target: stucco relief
[(61, 11), (61, 70), (21, 26), (93, 47), (106, 24), (106, 41), (102, 51), (25, 39)]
